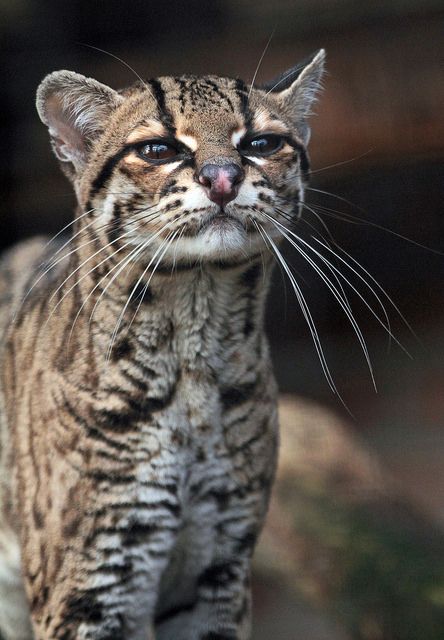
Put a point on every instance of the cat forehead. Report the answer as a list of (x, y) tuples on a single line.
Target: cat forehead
[(208, 105), (211, 92)]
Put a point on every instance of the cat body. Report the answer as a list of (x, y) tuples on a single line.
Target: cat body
[(139, 408)]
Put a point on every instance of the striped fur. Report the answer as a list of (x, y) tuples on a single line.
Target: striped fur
[(138, 405)]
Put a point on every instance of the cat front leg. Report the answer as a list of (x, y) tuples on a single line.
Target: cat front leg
[(218, 604), (104, 594), (92, 568), (222, 610)]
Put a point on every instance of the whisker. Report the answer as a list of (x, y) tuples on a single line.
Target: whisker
[(361, 278), (175, 250), (45, 272), (377, 284), (85, 275), (90, 271), (346, 217), (168, 242), (76, 219), (77, 248), (342, 162), (125, 261), (53, 263), (122, 313), (116, 266), (292, 72), (306, 313), (332, 268), (318, 217), (112, 55), (260, 62), (333, 289), (386, 324)]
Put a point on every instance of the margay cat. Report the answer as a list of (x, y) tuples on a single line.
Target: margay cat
[(139, 421)]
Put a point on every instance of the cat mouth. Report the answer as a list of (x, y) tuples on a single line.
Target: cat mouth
[(221, 221)]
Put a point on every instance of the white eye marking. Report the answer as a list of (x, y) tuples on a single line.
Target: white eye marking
[(259, 161), (189, 141), (149, 130), (237, 136), (261, 121), (170, 166)]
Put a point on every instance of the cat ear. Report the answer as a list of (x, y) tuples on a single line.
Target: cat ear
[(75, 110), (297, 88)]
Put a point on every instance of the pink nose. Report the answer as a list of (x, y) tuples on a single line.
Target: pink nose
[(221, 182)]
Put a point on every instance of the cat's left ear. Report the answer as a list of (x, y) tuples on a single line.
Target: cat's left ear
[(297, 89)]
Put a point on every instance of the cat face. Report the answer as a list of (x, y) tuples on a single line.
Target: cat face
[(191, 167)]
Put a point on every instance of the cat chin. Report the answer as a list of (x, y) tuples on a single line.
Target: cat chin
[(216, 242)]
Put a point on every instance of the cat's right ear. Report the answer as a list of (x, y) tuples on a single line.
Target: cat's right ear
[(296, 90), (75, 109)]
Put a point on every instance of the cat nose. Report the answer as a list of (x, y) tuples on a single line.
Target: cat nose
[(221, 182)]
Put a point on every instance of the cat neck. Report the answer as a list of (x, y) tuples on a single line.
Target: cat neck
[(194, 309)]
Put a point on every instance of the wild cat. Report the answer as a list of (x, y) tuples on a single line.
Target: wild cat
[(139, 426)]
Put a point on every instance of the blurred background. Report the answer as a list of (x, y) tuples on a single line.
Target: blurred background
[(377, 149)]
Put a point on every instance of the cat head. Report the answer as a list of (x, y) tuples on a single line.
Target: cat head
[(201, 163)]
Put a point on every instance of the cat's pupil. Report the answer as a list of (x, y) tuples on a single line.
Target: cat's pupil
[(157, 151), (265, 145)]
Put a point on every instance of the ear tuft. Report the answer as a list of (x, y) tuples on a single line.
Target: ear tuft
[(75, 110), (297, 88)]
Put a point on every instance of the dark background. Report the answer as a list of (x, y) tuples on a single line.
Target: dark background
[(378, 142)]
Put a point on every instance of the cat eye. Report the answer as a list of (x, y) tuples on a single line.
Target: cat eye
[(157, 151), (264, 145)]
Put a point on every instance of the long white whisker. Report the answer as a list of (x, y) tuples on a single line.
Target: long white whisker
[(116, 266), (168, 241), (332, 270), (336, 293), (88, 273), (385, 325), (318, 217), (338, 164), (55, 262), (175, 250), (381, 289), (122, 313), (292, 72), (305, 311), (260, 62), (76, 219), (141, 248), (331, 266), (112, 55), (72, 273), (352, 219)]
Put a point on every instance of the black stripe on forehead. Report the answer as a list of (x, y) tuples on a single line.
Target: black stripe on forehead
[(242, 94), (165, 114), (218, 91)]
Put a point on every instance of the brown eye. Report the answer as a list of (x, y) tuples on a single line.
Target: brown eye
[(264, 145), (157, 151)]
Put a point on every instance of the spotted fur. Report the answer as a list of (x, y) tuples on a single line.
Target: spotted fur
[(138, 405)]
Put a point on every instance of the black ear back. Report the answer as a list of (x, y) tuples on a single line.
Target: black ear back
[(286, 79), (297, 89)]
